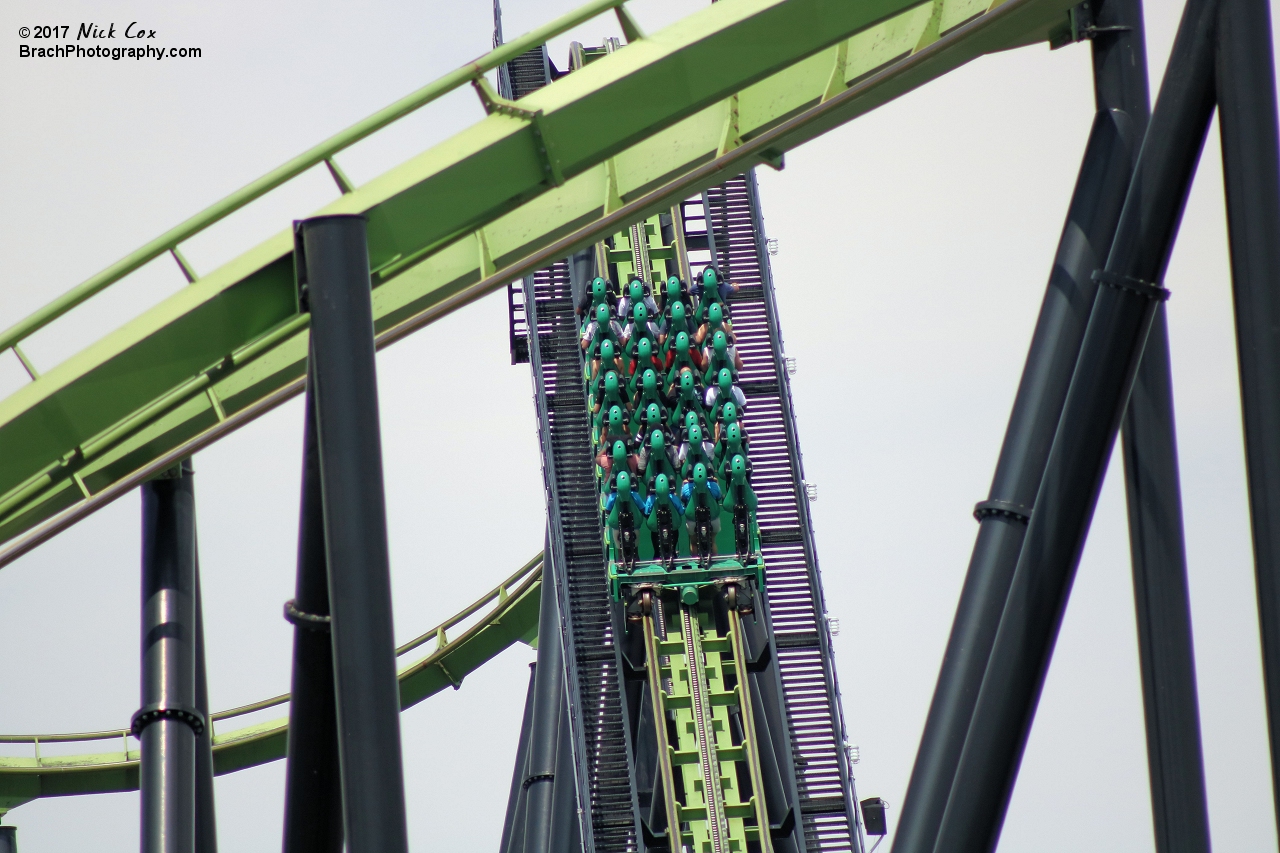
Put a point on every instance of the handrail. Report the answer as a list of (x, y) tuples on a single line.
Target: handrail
[(500, 593), (170, 240)]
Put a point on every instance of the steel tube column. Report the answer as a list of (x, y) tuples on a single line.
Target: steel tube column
[(1120, 89), (1179, 806), (1158, 552), (168, 723), (335, 286), (1121, 318), (206, 817), (313, 789), (541, 832), (1247, 116)]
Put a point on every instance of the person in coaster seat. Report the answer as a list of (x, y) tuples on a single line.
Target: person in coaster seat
[(601, 328), (596, 294), (716, 322), (701, 493), (680, 357), (656, 459), (663, 511), (718, 357), (615, 430), (695, 451), (733, 442), (647, 393), (608, 394), (607, 361), (676, 291), (676, 321), (740, 503), (624, 514), (711, 290), (644, 359), (728, 414), (640, 328), (739, 491), (686, 400), (724, 391), (636, 294)]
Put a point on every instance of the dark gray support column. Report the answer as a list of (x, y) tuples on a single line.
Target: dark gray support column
[(1120, 85), (313, 788), (513, 826), (336, 287), (541, 834), (1162, 602), (168, 723), (1179, 806), (1121, 318), (206, 816), (1247, 113), (8, 839)]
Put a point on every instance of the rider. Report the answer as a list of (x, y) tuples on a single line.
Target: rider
[(701, 492), (596, 294), (740, 495), (676, 321), (601, 328), (640, 328), (711, 290), (656, 459), (722, 392), (624, 509), (662, 508), (608, 394), (718, 356), (636, 294), (733, 442), (647, 394), (679, 357), (643, 359), (686, 400), (615, 431), (695, 451)]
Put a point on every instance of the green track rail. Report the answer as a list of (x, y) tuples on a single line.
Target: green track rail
[(734, 85), (506, 614)]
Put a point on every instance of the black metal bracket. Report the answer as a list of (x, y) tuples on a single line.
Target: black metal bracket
[(1148, 289), (310, 621), (1007, 509), (149, 714)]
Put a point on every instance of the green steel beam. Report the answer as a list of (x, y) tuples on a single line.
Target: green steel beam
[(512, 616), (734, 85)]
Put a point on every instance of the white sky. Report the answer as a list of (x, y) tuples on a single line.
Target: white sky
[(915, 244)]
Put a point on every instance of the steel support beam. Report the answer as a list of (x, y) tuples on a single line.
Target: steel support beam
[(1123, 311), (1179, 806), (313, 789), (1120, 84), (168, 723), (1247, 115), (334, 283), (543, 832), (206, 816), (513, 825), (1180, 814)]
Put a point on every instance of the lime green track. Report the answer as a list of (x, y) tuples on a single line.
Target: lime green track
[(506, 614), (734, 85)]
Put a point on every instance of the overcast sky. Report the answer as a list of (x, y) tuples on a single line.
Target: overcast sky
[(914, 247)]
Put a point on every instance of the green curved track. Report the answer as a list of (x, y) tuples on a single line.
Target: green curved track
[(736, 84), (506, 614)]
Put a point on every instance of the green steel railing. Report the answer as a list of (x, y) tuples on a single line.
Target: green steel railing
[(507, 613)]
